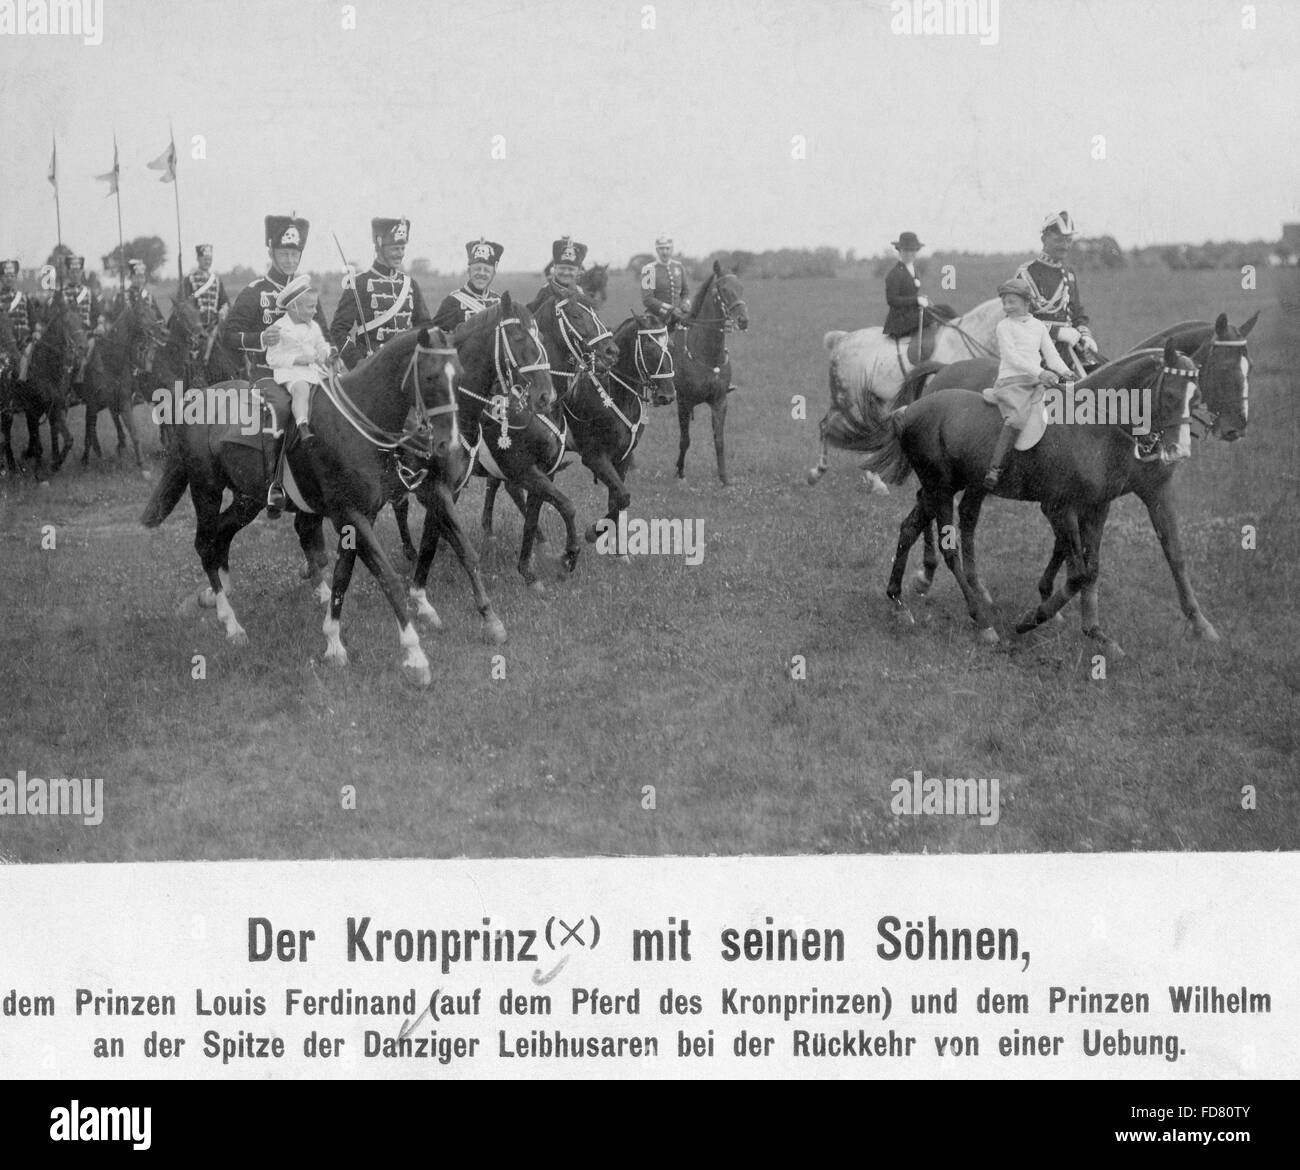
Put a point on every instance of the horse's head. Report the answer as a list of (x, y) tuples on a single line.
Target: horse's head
[(582, 333), (65, 333), (1224, 390), (185, 323), (652, 358), (521, 361), (731, 298), (436, 369), (595, 282)]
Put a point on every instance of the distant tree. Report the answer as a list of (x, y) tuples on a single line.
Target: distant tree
[(421, 269), (57, 253), (150, 249)]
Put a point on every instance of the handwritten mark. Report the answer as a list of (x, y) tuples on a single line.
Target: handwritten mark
[(539, 978)]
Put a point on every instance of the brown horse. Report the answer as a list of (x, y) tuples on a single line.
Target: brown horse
[(356, 422), (702, 362)]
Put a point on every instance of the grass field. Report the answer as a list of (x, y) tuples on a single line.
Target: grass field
[(658, 674)]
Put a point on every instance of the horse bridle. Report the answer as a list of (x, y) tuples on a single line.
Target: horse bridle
[(417, 439), (1154, 449), (727, 320), (581, 349), (1207, 417), (505, 361)]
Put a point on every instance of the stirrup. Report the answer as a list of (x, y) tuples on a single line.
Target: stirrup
[(275, 500)]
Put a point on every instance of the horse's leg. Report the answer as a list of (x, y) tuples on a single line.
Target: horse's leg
[(929, 557), (91, 438), (1094, 524), (126, 419), (939, 503), (344, 562), (35, 451), (414, 663), (719, 408), (914, 524), (9, 466), (401, 513), (602, 467), (489, 504), (212, 546), (1065, 524), (441, 509), (311, 538), (815, 473), (516, 493), (684, 411), (59, 423), (542, 491), (1160, 507), (1065, 542), (968, 517)]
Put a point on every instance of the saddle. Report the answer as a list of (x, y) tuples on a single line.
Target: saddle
[(272, 402), (920, 346)]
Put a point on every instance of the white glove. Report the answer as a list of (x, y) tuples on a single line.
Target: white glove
[(1088, 343), (924, 302), (1068, 334)]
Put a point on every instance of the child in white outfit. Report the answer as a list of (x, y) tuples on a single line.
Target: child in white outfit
[(296, 356), (1025, 346)]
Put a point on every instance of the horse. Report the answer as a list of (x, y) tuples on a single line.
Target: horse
[(702, 362), (110, 380), (10, 362), (1075, 472), (505, 396), (1219, 352), (356, 420), (868, 368), (606, 410), (62, 347)]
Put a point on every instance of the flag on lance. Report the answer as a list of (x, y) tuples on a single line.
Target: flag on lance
[(112, 176), (166, 162)]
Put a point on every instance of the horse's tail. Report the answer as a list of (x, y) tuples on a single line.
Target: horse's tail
[(914, 384), (885, 454), (170, 488)]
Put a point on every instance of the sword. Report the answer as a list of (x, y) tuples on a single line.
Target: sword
[(356, 296)]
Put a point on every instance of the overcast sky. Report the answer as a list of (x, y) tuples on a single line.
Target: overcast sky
[(613, 132)]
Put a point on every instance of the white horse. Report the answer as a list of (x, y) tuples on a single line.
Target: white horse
[(866, 362)]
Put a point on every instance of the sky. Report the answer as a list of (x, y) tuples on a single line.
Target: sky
[(614, 131)]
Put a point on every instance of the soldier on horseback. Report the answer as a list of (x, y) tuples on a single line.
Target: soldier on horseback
[(24, 316), (86, 301), (664, 291), (137, 295), (248, 328), (473, 296), (204, 287), (1055, 291), (389, 300), (566, 262)]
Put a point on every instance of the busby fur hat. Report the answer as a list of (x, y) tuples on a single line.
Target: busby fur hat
[(567, 251), (286, 231), (8, 267), (482, 251), (389, 231), (203, 251)]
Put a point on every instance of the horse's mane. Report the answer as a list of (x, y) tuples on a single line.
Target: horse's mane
[(484, 320), (1195, 331), (697, 301), (391, 351), (1121, 372)]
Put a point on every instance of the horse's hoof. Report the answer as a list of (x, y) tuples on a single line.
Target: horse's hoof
[(724, 481), (921, 582), (591, 535), (237, 638), (337, 658), (902, 613), (814, 475), (494, 631), (417, 676), (989, 636), (1027, 621), (1204, 632), (537, 587)]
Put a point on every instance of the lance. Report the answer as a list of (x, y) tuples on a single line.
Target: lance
[(58, 213), (356, 296), (121, 246)]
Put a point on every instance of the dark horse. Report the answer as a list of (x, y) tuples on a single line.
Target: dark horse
[(702, 362), (1075, 472), (188, 353), (44, 394), (1219, 351), (10, 360), (402, 397), (110, 381), (505, 396)]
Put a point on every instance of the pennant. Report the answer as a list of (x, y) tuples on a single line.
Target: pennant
[(166, 162), (53, 176), (112, 176)]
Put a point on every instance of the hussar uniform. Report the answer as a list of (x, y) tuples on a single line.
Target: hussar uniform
[(663, 286), (563, 251), (390, 300), (462, 304), (207, 291), (23, 312), (255, 307), (91, 310), (1054, 289)]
